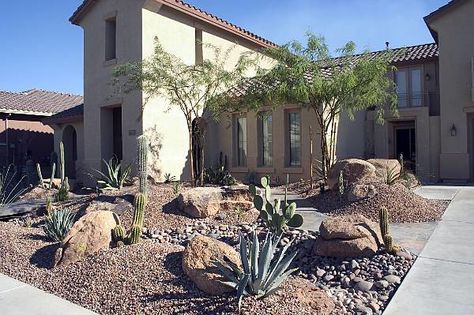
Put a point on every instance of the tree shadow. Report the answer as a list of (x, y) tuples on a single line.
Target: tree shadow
[(43, 258), (172, 207)]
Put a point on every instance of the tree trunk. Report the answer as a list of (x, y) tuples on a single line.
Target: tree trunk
[(190, 152)]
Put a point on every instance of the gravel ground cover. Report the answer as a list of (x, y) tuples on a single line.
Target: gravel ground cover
[(403, 205)]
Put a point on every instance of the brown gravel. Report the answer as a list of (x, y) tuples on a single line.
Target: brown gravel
[(404, 205), (141, 279)]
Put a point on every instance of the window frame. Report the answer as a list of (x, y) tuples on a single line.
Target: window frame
[(288, 158), (237, 158), (409, 97), (110, 49), (263, 117)]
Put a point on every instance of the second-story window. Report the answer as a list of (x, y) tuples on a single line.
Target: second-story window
[(110, 39), (409, 87)]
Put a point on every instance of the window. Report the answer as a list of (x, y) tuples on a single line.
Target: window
[(199, 57), (110, 39), (409, 87), (265, 139), (240, 136), (294, 138)]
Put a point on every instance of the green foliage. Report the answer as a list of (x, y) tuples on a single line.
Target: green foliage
[(169, 178), (309, 74), (114, 178), (176, 187), (276, 216), (142, 151), (219, 176), (392, 175), (49, 205), (263, 271), (10, 186), (58, 223), (342, 189), (63, 191), (138, 218), (189, 87)]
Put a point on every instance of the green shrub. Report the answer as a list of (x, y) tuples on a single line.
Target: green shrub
[(218, 176), (58, 224), (115, 177), (276, 216), (169, 178), (263, 272)]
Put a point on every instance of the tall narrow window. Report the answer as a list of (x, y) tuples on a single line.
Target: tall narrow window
[(401, 81), (265, 139), (294, 137), (110, 39), (199, 57), (240, 136), (416, 92)]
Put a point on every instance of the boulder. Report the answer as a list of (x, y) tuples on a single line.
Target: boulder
[(118, 205), (197, 263), (358, 192), (353, 170), (308, 295), (88, 235), (383, 166), (200, 202), (348, 237)]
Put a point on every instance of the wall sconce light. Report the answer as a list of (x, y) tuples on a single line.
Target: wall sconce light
[(453, 131), (427, 77)]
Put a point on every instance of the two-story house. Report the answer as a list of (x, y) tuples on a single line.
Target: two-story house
[(434, 129)]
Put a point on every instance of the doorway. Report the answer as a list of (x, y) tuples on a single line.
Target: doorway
[(405, 144)]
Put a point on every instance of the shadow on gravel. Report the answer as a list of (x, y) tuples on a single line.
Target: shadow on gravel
[(38, 237), (172, 263), (172, 207), (44, 257)]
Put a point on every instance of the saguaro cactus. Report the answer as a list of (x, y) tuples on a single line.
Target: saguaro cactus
[(62, 163), (142, 163)]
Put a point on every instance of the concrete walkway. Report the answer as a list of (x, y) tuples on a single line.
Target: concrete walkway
[(442, 279), (18, 298)]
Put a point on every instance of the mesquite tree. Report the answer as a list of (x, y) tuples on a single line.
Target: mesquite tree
[(308, 74), (189, 87)]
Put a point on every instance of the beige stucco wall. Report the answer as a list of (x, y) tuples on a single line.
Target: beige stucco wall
[(456, 46), (82, 170)]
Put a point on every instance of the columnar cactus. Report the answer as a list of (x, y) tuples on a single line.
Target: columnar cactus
[(53, 172), (118, 234), (40, 175), (276, 215), (388, 241), (142, 163), (62, 163), (383, 221), (138, 218)]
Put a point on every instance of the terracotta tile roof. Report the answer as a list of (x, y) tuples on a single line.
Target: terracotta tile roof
[(72, 114), (37, 102), (191, 11)]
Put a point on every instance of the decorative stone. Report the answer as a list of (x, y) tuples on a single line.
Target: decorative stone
[(353, 170), (358, 192), (382, 166), (200, 202), (393, 279)]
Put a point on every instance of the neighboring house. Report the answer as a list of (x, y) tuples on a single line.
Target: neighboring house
[(23, 135), (434, 130)]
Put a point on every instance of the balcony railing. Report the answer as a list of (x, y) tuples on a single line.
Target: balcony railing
[(408, 100)]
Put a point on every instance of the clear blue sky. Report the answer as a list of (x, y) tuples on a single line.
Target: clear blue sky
[(39, 48)]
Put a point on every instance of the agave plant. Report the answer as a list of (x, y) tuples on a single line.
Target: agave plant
[(58, 223), (391, 176), (10, 187), (262, 271), (115, 177)]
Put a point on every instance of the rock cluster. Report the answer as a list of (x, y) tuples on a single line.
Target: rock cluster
[(353, 171)]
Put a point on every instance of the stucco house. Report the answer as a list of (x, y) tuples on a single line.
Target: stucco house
[(23, 134), (435, 84)]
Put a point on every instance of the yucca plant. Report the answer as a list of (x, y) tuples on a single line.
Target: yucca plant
[(115, 177), (169, 178), (262, 271), (58, 223), (391, 176), (10, 187)]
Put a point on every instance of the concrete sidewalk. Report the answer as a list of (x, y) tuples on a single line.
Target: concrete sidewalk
[(442, 279), (18, 298)]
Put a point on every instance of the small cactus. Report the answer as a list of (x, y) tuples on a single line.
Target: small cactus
[(40, 175), (142, 163), (135, 233), (388, 241), (118, 233), (53, 172), (138, 216), (62, 163), (383, 221)]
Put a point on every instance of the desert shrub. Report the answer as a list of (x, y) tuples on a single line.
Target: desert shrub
[(176, 187), (10, 187), (262, 270), (218, 176), (115, 177), (58, 223), (169, 178)]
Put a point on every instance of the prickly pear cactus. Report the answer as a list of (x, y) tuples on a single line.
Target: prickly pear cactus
[(277, 216)]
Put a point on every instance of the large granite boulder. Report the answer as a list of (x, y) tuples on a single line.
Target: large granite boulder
[(198, 260), (384, 166), (348, 237), (358, 192), (353, 170), (200, 202), (88, 235)]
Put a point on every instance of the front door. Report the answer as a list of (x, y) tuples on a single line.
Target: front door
[(405, 144)]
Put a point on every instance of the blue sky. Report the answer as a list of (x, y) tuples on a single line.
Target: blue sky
[(41, 49)]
